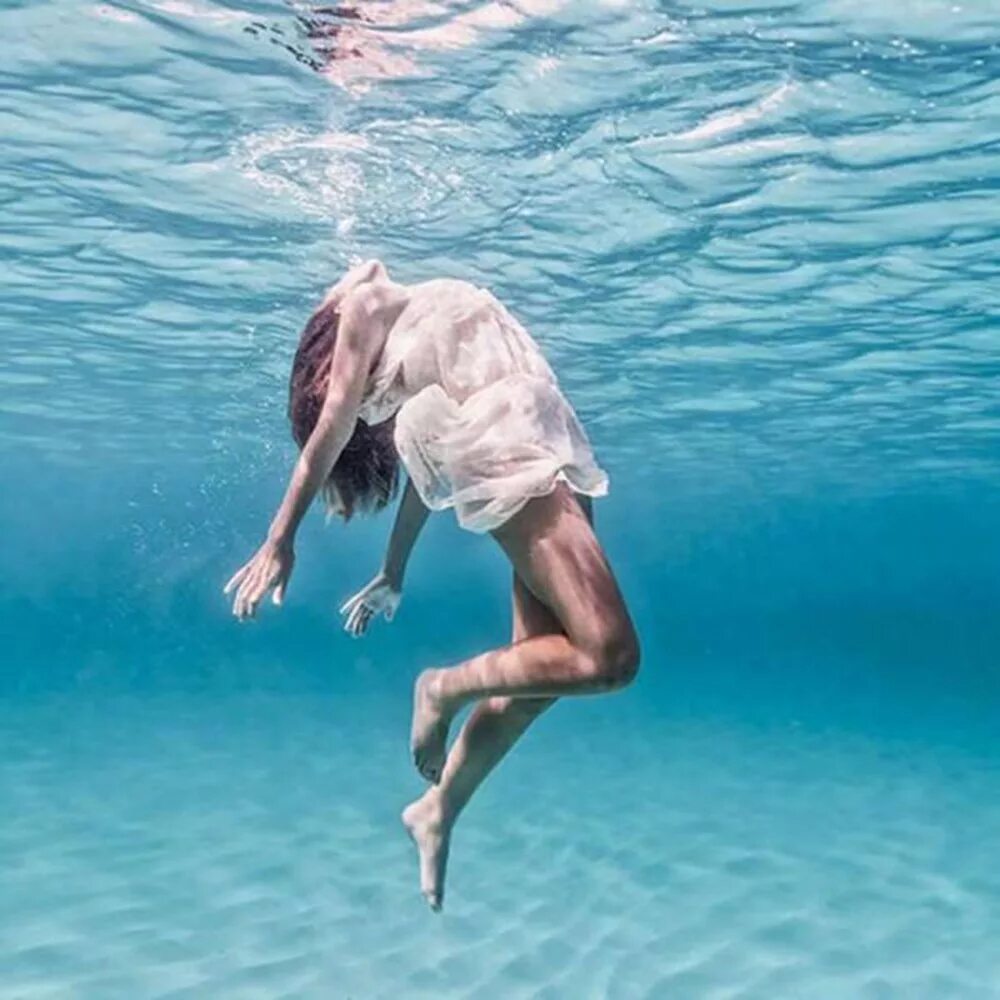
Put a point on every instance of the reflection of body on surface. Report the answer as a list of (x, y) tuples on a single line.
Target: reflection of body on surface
[(440, 376), (352, 43)]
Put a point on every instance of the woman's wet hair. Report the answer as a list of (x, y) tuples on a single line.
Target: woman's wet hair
[(366, 475)]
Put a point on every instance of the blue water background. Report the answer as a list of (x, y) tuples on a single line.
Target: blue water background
[(759, 245)]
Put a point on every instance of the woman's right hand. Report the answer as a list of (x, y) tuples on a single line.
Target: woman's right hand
[(270, 567), (380, 596)]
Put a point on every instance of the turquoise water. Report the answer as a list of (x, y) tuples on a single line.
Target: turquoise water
[(759, 245)]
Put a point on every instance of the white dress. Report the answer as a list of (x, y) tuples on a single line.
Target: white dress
[(481, 424)]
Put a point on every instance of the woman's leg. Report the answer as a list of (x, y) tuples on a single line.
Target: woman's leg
[(496, 723), (494, 726), (554, 551)]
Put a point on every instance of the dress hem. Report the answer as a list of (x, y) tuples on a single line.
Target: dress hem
[(598, 490)]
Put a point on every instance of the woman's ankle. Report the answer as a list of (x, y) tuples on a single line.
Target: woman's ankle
[(440, 807)]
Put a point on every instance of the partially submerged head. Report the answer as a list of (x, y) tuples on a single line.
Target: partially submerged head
[(367, 472)]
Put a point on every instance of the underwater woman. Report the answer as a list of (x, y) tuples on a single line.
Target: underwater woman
[(440, 377)]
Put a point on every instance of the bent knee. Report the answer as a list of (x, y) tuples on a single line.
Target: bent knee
[(614, 662)]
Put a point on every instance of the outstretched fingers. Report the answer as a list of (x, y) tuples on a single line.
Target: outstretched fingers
[(358, 620), (270, 568), (237, 578), (377, 598), (253, 587), (351, 603), (248, 596)]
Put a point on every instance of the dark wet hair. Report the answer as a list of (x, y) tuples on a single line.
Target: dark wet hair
[(367, 472)]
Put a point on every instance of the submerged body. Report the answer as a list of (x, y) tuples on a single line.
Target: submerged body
[(480, 425)]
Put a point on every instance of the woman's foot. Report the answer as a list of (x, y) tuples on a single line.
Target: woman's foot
[(424, 821), (429, 731)]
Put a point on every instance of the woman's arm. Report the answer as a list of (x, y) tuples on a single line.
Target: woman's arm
[(352, 359), (359, 337), (382, 594), (410, 519)]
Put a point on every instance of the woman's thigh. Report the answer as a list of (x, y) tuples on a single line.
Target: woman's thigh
[(558, 560), (531, 617)]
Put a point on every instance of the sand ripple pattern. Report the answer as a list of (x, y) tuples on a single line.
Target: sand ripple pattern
[(249, 848)]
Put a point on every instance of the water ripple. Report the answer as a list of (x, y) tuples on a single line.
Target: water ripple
[(759, 238)]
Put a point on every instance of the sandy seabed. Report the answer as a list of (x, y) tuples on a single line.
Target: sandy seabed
[(249, 846)]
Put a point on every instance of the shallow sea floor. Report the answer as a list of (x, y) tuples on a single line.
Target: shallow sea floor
[(208, 846)]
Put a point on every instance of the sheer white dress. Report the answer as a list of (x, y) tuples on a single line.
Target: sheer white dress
[(481, 424)]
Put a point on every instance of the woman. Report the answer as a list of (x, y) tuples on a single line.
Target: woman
[(440, 376)]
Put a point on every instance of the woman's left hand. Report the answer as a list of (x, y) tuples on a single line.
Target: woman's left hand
[(379, 596), (270, 567)]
